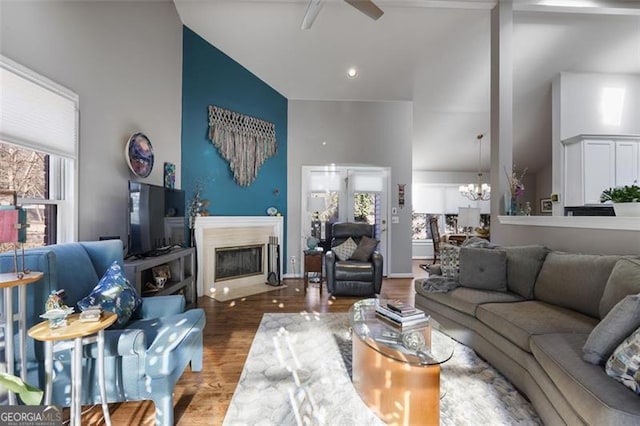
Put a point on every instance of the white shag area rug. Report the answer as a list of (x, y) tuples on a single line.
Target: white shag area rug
[(298, 371)]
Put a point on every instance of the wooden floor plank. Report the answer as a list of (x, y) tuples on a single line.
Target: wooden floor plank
[(203, 398)]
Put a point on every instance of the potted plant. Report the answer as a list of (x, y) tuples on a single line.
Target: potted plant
[(30, 395), (625, 199)]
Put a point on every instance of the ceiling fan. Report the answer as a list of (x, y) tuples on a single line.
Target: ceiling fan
[(365, 6)]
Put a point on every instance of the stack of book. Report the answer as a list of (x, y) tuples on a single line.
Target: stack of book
[(401, 315)]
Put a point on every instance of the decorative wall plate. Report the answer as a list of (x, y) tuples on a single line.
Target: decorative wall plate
[(139, 154)]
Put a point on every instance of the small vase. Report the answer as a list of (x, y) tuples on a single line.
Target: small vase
[(527, 209), (513, 207)]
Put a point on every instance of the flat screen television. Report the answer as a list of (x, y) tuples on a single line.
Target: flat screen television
[(153, 211)]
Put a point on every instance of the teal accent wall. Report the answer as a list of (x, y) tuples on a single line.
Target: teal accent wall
[(209, 77)]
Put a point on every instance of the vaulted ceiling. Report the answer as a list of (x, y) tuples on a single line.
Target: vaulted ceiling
[(434, 53)]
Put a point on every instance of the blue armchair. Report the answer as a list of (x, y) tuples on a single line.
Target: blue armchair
[(143, 360)]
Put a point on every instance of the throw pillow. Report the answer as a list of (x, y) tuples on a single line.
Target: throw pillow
[(346, 249), (624, 364), (484, 269), (113, 293), (365, 249), (624, 280), (618, 324), (450, 261), (523, 266)]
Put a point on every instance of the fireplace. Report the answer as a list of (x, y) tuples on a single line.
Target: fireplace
[(218, 267), (238, 262)]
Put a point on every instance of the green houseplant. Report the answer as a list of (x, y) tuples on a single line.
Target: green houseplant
[(625, 199), (30, 395)]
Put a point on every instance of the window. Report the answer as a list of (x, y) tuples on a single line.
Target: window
[(38, 150), (443, 201)]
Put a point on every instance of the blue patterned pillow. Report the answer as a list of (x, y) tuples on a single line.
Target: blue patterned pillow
[(113, 293), (624, 364)]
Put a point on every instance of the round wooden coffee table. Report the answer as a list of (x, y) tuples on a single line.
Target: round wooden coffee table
[(79, 333), (395, 372)]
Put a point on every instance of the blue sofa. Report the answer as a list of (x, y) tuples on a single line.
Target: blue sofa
[(143, 360)]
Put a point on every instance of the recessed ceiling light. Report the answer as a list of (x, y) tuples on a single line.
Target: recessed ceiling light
[(352, 73)]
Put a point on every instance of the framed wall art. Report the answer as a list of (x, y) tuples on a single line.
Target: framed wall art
[(139, 154), (169, 175), (546, 205)]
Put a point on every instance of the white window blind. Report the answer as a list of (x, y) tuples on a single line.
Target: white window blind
[(40, 115), (367, 182), (428, 199), (324, 181)]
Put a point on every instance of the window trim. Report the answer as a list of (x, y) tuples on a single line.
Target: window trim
[(63, 170)]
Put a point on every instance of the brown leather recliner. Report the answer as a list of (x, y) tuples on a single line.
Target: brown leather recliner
[(352, 277)]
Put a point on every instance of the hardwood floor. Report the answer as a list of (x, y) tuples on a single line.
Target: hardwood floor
[(203, 398)]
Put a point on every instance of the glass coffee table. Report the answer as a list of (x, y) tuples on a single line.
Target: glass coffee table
[(397, 372)]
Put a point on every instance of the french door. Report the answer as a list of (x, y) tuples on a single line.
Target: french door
[(347, 194)]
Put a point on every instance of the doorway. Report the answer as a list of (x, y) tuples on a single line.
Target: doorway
[(344, 194)]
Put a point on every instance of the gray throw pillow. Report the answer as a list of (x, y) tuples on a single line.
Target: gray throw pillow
[(484, 269), (624, 280), (523, 266), (613, 329), (345, 250), (365, 248)]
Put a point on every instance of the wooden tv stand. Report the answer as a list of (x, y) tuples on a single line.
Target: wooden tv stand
[(181, 262)]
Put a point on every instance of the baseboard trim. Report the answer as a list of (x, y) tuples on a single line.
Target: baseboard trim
[(400, 275), (292, 276)]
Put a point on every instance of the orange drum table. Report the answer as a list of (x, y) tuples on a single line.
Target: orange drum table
[(397, 373), (73, 336)]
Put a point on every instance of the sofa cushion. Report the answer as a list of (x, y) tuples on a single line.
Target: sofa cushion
[(483, 268), (624, 364), (450, 261), (350, 270), (613, 329), (598, 399), (345, 250), (365, 248), (523, 266), (574, 281), (466, 300), (519, 321), (624, 280), (114, 294)]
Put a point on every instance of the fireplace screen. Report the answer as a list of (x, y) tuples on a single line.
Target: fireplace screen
[(238, 262)]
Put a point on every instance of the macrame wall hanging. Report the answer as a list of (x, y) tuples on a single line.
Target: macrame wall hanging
[(245, 142)]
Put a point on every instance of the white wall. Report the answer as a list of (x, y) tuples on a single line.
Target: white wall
[(581, 104), (356, 133), (124, 60), (577, 108)]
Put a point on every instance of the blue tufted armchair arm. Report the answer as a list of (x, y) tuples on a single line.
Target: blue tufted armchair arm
[(160, 306), (119, 343)]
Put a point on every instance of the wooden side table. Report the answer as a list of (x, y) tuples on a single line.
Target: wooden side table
[(312, 263), (79, 333), (7, 282)]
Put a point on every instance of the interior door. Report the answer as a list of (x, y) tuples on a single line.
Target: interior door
[(347, 194), (366, 201)]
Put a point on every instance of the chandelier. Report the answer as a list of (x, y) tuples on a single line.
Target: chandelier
[(477, 191)]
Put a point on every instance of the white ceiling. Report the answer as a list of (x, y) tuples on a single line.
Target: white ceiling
[(436, 56)]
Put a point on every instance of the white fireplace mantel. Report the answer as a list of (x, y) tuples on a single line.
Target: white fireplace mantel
[(204, 223)]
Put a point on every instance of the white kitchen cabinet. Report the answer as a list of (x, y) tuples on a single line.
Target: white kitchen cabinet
[(627, 162), (593, 163)]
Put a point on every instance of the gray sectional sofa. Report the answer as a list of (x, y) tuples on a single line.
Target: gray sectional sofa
[(531, 320)]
